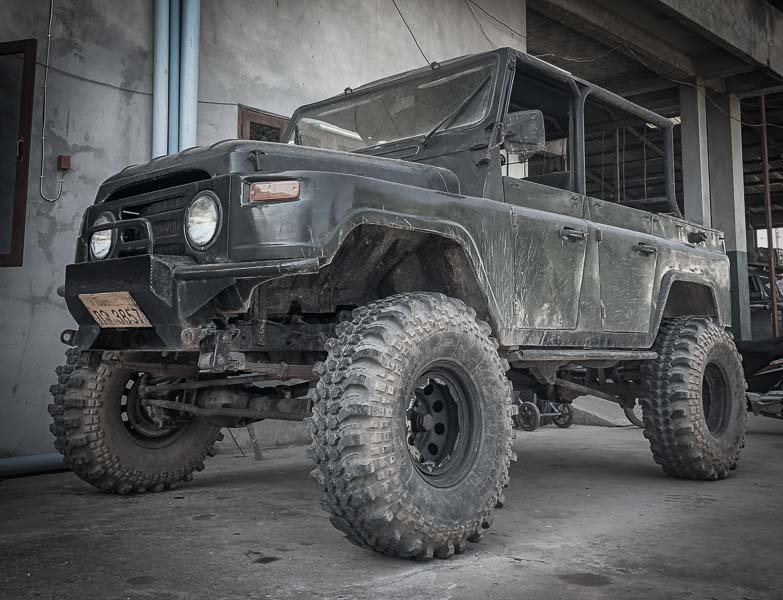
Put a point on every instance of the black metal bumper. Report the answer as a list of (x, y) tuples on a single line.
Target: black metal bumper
[(170, 290)]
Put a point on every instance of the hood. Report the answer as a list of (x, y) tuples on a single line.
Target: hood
[(241, 156)]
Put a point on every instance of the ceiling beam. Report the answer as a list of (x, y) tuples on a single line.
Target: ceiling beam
[(752, 84), (750, 30), (635, 86), (592, 19)]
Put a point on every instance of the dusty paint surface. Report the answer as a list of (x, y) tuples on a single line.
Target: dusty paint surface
[(588, 515), (99, 112)]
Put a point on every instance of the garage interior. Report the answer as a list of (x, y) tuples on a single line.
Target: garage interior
[(587, 514)]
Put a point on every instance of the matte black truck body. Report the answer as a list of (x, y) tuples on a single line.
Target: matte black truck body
[(547, 266), (402, 299)]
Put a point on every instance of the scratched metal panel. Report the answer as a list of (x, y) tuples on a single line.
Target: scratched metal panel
[(678, 230), (549, 269), (521, 192), (609, 213), (627, 278)]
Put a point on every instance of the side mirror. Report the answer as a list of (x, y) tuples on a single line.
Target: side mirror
[(524, 132)]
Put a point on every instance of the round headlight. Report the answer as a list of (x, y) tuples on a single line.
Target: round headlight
[(202, 220), (101, 241)]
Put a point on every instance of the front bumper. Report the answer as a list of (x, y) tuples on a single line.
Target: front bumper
[(173, 292)]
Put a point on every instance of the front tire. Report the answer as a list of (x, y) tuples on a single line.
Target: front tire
[(412, 427), (101, 432), (694, 404)]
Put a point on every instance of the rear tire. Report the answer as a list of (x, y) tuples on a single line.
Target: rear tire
[(412, 427), (100, 447), (694, 404)]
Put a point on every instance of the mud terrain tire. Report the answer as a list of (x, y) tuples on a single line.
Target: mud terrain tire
[(378, 494), (90, 433), (694, 400)]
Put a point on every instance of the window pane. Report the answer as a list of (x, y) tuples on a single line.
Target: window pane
[(10, 101), (409, 108), (264, 133)]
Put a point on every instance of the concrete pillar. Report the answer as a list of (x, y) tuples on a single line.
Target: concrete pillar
[(695, 157), (728, 201)]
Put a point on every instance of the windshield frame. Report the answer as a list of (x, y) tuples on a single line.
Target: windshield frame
[(493, 60)]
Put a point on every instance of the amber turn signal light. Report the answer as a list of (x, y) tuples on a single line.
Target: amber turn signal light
[(274, 191)]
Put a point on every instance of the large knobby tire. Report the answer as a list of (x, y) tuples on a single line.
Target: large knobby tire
[(386, 365), (102, 449), (694, 400)]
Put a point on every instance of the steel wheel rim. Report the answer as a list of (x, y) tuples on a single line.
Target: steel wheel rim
[(137, 419), (441, 425)]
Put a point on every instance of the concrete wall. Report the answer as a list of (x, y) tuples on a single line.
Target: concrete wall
[(247, 54), (97, 47), (263, 53)]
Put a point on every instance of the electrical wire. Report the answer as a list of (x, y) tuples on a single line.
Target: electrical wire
[(635, 55), (695, 86), (415, 41), (120, 88), (492, 43), (43, 116), (494, 18), (586, 59)]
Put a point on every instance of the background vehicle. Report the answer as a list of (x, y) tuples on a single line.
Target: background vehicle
[(533, 412), (635, 414), (400, 292), (761, 302)]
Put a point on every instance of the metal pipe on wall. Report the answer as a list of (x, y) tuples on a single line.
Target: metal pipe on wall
[(160, 80), (768, 214), (188, 76), (174, 43), (32, 464)]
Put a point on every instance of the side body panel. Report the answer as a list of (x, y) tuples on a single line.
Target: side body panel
[(332, 205), (550, 252), (628, 254), (619, 281)]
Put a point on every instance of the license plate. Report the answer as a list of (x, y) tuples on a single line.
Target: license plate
[(113, 310)]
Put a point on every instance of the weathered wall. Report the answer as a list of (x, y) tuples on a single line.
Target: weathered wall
[(276, 56), (266, 54), (103, 128)]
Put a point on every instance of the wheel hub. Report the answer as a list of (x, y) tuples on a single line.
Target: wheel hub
[(141, 420), (438, 423)]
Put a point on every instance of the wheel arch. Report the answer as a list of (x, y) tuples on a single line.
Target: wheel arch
[(376, 261), (687, 294)]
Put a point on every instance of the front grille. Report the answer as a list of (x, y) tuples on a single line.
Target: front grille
[(159, 215), (164, 214)]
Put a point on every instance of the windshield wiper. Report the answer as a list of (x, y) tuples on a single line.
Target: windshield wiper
[(449, 119)]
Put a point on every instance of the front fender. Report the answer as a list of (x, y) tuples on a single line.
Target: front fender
[(332, 205)]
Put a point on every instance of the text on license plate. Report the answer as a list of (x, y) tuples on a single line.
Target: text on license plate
[(114, 310)]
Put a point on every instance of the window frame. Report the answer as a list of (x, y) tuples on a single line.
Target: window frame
[(248, 115), (27, 48)]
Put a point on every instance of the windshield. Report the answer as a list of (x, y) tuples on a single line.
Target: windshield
[(409, 109)]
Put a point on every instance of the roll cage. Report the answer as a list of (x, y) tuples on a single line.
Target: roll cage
[(480, 175)]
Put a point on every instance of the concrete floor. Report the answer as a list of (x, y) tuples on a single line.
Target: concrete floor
[(588, 516)]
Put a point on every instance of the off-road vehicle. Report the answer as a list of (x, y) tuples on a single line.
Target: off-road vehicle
[(419, 249)]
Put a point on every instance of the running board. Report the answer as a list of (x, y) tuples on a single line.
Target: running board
[(535, 356)]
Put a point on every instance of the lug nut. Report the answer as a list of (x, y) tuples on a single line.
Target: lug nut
[(425, 423)]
